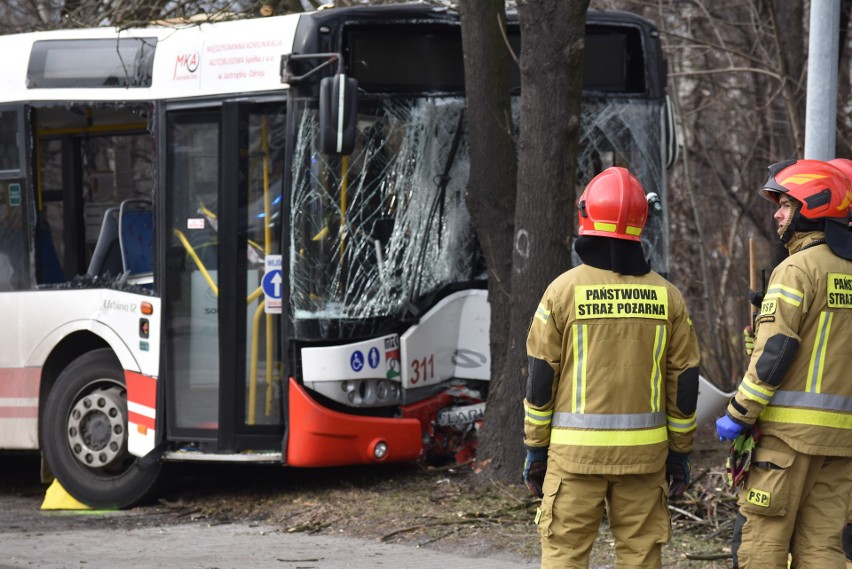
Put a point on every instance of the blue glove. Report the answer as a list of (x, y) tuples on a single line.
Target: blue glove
[(678, 473), (727, 428), (535, 467)]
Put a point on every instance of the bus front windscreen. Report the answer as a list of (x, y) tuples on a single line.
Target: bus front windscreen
[(383, 227), (381, 231)]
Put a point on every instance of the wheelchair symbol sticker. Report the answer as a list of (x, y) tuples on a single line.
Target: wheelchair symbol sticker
[(356, 360)]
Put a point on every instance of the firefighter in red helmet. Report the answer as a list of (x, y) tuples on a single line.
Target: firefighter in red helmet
[(845, 166), (797, 387), (611, 390)]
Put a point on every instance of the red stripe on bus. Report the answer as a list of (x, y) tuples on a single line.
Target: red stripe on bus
[(141, 420), (141, 389), (18, 412), (19, 381)]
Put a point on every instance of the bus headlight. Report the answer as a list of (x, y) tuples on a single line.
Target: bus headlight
[(380, 450)]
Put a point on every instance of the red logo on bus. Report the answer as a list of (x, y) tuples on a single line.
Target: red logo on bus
[(186, 62)]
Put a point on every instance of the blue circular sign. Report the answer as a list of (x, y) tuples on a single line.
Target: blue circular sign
[(356, 360), (373, 358), (271, 284)]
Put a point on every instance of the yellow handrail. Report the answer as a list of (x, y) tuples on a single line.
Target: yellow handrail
[(252, 397), (191, 252)]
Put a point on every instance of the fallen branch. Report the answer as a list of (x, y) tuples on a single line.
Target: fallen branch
[(708, 556), (434, 539), (687, 514), (430, 524)]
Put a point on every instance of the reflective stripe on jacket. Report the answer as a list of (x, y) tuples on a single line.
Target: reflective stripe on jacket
[(613, 376), (798, 380)]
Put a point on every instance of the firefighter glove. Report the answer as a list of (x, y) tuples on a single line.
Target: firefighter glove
[(677, 473), (739, 459), (748, 340), (535, 467), (727, 428)]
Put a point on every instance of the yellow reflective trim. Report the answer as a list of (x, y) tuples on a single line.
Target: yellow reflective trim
[(621, 301), (839, 290), (808, 417), (656, 369), (817, 363), (581, 347), (537, 417), (681, 425), (608, 227), (633, 437), (631, 230), (542, 313), (533, 421), (785, 293), (752, 391)]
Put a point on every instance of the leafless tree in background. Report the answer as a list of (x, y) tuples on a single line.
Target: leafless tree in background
[(738, 75)]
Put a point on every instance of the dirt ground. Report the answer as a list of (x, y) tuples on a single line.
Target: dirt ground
[(443, 508), (405, 504)]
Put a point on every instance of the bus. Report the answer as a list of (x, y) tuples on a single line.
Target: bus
[(247, 241)]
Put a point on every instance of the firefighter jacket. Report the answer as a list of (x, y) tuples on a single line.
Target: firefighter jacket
[(613, 373), (798, 380)]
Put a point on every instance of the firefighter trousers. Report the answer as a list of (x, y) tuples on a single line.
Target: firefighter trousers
[(573, 506), (793, 502)]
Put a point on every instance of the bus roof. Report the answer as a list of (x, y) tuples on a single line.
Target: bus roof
[(184, 61), (194, 60)]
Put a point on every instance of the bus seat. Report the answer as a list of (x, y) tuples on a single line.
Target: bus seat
[(49, 267), (136, 237), (107, 255)]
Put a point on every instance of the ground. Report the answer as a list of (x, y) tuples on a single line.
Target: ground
[(438, 508), (443, 509)]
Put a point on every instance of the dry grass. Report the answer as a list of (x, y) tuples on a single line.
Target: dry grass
[(443, 509)]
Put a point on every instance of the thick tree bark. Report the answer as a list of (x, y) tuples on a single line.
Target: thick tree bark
[(493, 172), (552, 36)]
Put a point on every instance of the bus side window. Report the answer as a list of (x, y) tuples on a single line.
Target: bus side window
[(14, 236), (14, 256)]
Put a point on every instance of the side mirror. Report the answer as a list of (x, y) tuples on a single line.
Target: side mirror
[(338, 112)]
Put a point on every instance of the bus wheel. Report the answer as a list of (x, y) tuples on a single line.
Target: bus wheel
[(84, 435)]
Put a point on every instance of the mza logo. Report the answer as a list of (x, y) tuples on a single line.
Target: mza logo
[(758, 497), (186, 64)]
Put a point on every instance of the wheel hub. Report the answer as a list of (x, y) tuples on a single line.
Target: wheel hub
[(96, 433)]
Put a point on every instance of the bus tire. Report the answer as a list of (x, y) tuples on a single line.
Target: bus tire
[(84, 435)]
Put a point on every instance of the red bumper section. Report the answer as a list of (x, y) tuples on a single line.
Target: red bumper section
[(321, 437)]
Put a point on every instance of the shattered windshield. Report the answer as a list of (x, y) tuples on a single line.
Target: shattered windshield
[(377, 232), (386, 225)]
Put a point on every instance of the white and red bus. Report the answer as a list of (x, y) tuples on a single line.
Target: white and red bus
[(246, 240)]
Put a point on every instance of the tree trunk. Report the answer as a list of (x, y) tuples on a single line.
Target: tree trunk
[(493, 172), (552, 36)]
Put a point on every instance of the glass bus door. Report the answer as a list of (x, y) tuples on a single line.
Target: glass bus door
[(223, 218)]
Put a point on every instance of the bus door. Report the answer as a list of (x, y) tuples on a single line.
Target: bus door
[(223, 198)]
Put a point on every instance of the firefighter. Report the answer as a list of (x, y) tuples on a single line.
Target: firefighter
[(612, 389), (797, 492), (845, 166)]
